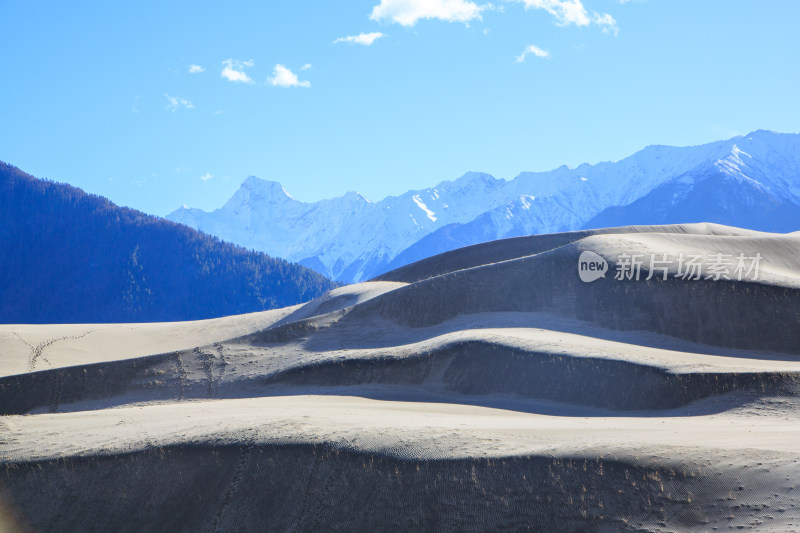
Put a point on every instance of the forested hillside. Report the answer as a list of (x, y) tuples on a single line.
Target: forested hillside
[(68, 256)]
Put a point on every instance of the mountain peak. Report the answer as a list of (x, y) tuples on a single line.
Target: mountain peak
[(264, 187), (255, 191), (476, 177), (356, 196), (475, 180), (766, 133)]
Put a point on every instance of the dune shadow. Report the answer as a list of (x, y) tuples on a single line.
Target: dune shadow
[(704, 407), (376, 333)]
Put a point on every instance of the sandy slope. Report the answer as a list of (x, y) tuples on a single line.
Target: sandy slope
[(488, 388), (37, 347)]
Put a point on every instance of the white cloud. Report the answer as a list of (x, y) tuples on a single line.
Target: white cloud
[(234, 70), (408, 12), (306, 66), (362, 38), (196, 69), (207, 177), (283, 77), (607, 22), (176, 102), (574, 12), (566, 12), (532, 50)]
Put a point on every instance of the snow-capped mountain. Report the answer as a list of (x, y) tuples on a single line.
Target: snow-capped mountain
[(347, 238), (750, 181)]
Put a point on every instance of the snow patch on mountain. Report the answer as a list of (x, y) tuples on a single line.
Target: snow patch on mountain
[(424, 207)]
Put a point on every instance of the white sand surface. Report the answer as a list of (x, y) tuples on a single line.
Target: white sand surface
[(418, 430), (25, 348)]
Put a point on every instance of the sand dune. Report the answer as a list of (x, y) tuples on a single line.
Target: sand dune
[(503, 250), (486, 388)]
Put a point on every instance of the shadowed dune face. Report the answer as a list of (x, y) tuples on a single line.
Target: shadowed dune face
[(305, 488), (487, 388), (756, 315)]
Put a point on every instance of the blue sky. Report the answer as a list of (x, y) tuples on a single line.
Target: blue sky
[(377, 96)]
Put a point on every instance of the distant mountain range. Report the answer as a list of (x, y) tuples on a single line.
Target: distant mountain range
[(750, 181), (68, 256)]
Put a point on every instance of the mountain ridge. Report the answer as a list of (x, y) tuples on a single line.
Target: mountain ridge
[(352, 239)]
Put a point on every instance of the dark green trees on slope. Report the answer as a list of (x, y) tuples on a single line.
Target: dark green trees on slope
[(67, 256)]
